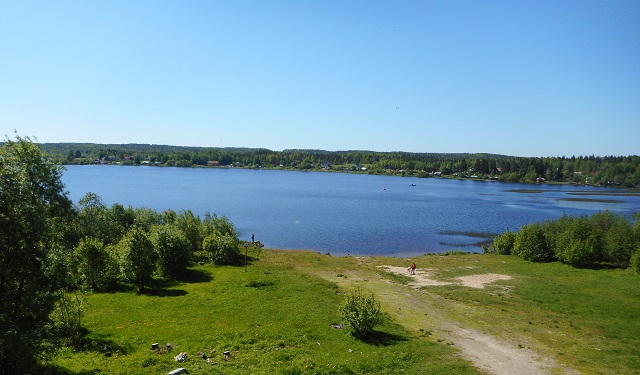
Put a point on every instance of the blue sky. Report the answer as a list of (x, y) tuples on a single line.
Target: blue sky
[(522, 78)]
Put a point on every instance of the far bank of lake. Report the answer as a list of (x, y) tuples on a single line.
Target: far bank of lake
[(344, 213)]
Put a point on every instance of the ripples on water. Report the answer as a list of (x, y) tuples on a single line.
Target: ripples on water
[(344, 213)]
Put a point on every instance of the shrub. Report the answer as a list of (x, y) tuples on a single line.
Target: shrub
[(635, 261), (361, 312), (95, 264), (617, 237), (137, 258), (575, 245), (173, 249), (530, 244), (221, 248), (502, 244)]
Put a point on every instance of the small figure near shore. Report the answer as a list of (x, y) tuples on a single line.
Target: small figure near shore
[(412, 269)]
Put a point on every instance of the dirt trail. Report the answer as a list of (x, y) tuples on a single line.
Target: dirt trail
[(413, 307)]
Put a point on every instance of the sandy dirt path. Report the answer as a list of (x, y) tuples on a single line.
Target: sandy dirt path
[(413, 307)]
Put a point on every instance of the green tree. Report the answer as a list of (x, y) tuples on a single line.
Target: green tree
[(616, 238), (212, 224), (361, 312), (97, 269), (221, 248), (575, 244), (173, 249), (635, 261), (503, 244), (31, 197), (190, 225), (530, 244), (92, 219), (137, 258)]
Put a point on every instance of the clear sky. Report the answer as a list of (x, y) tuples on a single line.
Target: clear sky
[(522, 78)]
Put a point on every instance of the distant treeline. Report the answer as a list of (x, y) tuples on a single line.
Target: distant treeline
[(588, 170)]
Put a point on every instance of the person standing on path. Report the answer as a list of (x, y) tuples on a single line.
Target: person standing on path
[(413, 268)]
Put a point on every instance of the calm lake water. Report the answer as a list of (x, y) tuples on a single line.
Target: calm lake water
[(344, 213)]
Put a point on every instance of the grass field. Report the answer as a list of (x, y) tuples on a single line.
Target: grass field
[(277, 318)]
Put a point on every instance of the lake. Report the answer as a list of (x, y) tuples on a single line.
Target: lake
[(344, 213)]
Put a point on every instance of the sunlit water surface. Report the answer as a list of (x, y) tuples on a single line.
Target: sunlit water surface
[(344, 213)]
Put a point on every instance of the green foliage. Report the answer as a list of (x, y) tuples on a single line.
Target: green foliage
[(145, 218), (503, 244), (635, 261), (221, 248), (214, 224), (97, 267), (66, 318), (615, 237), (137, 258), (574, 242), (173, 250), (191, 226), (361, 312), (530, 244), (33, 208), (602, 238)]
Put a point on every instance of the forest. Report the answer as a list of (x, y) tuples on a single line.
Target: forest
[(583, 170)]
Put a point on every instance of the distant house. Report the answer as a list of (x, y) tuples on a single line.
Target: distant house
[(437, 174), (213, 163)]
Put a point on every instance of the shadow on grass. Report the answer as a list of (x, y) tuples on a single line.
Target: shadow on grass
[(160, 287), (195, 276), (163, 292), (102, 344), (379, 338), (57, 370)]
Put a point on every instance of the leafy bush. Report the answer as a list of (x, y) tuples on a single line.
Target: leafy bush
[(137, 258), (213, 223), (503, 244), (173, 249), (531, 244), (66, 318), (190, 225), (575, 245), (361, 312), (221, 248), (96, 266), (617, 238), (635, 261), (603, 238)]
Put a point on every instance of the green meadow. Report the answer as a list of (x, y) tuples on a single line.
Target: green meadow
[(276, 318)]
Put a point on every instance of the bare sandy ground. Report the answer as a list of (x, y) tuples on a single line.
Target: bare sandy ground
[(424, 277)]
